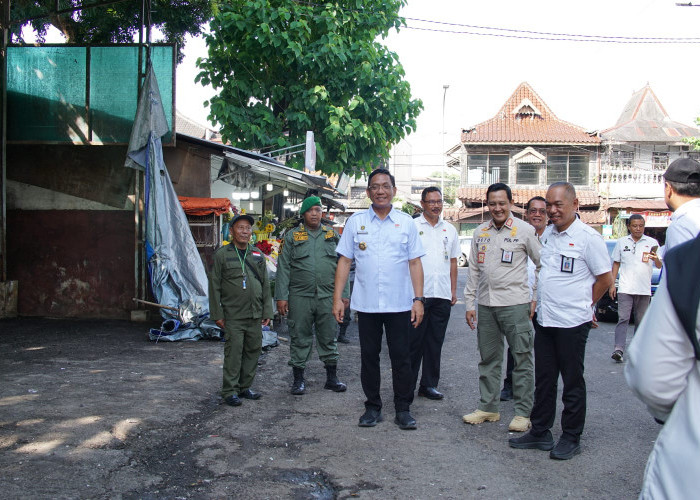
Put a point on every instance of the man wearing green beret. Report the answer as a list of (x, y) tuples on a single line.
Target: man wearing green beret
[(304, 291)]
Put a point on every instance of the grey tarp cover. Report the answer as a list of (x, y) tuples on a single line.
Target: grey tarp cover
[(178, 277)]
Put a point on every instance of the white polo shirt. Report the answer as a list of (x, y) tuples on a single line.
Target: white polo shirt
[(570, 261), (685, 224), (441, 244), (381, 249), (635, 265)]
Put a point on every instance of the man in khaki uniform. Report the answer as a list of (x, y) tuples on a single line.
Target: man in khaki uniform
[(304, 289), (498, 282), (240, 302)]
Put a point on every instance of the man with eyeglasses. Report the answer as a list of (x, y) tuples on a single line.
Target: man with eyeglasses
[(498, 279), (536, 215), (634, 256), (388, 294), (441, 245)]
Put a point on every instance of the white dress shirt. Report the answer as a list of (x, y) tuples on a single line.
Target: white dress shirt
[(441, 245), (570, 261), (635, 265), (381, 249), (685, 224)]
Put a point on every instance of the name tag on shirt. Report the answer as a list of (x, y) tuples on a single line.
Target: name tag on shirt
[(567, 264), (507, 256)]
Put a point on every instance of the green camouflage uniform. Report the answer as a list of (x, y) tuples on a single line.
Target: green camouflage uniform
[(243, 310), (305, 278)]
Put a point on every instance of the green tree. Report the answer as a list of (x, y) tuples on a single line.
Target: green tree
[(694, 141), (113, 23), (451, 185), (282, 67)]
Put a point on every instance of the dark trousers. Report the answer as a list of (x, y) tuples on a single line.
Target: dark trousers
[(398, 338), (427, 339), (560, 351)]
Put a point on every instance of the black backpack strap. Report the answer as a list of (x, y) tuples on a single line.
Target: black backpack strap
[(682, 265), (252, 266)]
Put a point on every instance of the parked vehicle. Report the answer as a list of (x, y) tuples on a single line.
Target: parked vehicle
[(465, 244), (606, 308)]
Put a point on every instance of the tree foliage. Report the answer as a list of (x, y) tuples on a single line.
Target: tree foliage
[(113, 23), (282, 67), (694, 141)]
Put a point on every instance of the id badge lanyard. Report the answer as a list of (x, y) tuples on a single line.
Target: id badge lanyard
[(242, 261)]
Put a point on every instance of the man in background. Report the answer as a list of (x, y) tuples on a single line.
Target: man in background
[(634, 256), (441, 246), (536, 215)]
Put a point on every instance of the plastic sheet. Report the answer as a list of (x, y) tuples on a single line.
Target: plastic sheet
[(177, 274)]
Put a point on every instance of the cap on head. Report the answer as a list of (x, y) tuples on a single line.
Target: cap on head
[(309, 202), (685, 170), (242, 217)]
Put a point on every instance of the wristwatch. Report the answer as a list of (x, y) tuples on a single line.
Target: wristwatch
[(421, 299)]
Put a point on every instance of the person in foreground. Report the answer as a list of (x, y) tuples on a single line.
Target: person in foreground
[(385, 245), (663, 370), (575, 273), (498, 281), (304, 289), (240, 302)]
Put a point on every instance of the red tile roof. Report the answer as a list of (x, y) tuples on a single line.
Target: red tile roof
[(636, 204), (538, 126), (586, 197)]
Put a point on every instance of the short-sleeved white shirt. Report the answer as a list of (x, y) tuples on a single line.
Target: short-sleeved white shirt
[(381, 249), (570, 261), (635, 265), (685, 224), (441, 244)]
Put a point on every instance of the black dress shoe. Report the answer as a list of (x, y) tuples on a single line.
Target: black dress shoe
[(506, 394), (405, 421), (249, 394), (430, 393), (233, 400), (565, 449), (370, 418), (530, 442)]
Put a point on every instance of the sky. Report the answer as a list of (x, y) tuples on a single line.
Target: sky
[(584, 83)]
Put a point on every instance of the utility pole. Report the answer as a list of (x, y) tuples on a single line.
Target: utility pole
[(442, 152)]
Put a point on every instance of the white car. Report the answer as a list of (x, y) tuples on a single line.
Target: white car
[(465, 244)]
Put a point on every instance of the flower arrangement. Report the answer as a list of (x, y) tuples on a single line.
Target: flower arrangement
[(264, 246)]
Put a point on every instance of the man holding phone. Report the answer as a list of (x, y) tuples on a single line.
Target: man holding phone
[(633, 256)]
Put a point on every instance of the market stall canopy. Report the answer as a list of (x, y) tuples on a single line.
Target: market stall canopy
[(245, 170), (204, 206)]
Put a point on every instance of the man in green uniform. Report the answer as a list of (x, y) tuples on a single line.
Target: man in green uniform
[(240, 301), (304, 289)]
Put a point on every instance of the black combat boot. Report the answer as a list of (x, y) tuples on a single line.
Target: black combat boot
[(342, 337), (332, 382), (298, 387)]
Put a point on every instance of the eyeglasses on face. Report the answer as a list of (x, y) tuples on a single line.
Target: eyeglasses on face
[(537, 211), (376, 187)]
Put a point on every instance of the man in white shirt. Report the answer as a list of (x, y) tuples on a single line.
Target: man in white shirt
[(385, 245), (575, 273), (682, 195), (634, 257), (441, 246)]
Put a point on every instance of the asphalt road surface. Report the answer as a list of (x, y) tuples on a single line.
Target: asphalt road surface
[(92, 409)]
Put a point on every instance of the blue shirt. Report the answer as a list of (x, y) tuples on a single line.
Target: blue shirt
[(381, 249)]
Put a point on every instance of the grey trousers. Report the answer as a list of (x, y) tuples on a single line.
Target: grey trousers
[(625, 304)]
